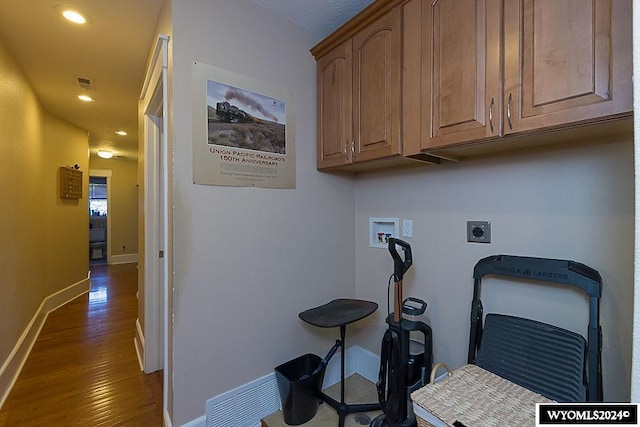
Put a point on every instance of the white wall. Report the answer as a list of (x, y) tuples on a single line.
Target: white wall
[(248, 260), (575, 203)]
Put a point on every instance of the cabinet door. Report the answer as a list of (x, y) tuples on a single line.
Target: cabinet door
[(334, 107), (377, 90), (566, 61), (461, 69)]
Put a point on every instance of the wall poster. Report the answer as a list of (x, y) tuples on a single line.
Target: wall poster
[(243, 131)]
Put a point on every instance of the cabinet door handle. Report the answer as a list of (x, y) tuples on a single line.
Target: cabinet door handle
[(491, 116), (509, 112), (353, 149)]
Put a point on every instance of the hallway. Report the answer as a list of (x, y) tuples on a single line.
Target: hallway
[(83, 369)]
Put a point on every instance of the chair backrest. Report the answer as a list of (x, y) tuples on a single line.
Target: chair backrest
[(551, 271), (543, 358)]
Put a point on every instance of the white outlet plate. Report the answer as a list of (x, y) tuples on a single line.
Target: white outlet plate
[(407, 228)]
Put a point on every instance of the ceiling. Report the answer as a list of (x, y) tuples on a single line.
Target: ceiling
[(111, 52)]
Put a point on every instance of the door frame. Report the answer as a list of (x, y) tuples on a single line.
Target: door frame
[(155, 272)]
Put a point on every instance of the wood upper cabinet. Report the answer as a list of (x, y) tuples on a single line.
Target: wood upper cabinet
[(491, 68), (359, 93), (334, 107), (566, 61), (461, 87), (377, 52)]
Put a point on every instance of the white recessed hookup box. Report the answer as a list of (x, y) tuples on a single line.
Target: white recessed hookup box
[(380, 229)]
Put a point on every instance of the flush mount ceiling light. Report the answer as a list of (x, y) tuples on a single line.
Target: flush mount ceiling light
[(72, 15), (85, 98), (105, 154), (121, 132)]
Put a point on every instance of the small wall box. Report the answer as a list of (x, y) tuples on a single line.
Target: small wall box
[(380, 229), (70, 183)]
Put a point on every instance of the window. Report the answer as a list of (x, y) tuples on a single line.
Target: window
[(98, 196)]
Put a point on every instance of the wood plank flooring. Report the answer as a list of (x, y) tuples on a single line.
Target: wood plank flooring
[(83, 369)]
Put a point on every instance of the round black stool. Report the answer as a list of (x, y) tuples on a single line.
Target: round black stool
[(340, 312)]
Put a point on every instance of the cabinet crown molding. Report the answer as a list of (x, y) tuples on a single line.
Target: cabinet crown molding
[(355, 24)]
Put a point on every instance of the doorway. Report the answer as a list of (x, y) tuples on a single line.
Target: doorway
[(99, 218), (154, 339)]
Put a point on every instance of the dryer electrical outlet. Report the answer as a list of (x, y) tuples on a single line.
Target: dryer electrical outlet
[(479, 231)]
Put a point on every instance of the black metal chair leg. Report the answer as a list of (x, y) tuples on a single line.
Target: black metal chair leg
[(341, 312)]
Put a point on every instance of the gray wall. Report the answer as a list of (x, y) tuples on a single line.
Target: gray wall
[(576, 203), (635, 373), (248, 260)]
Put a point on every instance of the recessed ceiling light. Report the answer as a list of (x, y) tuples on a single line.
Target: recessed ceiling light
[(105, 154), (73, 16), (121, 132), (85, 98)]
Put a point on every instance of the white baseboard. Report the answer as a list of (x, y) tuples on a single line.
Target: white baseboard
[(13, 365), (198, 422), (10, 369), (60, 298), (167, 419), (367, 364), (332, 373), (357, 361), (123, 259), (138, 342)]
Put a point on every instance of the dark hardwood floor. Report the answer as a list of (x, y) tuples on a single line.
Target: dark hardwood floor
[(83, 369)]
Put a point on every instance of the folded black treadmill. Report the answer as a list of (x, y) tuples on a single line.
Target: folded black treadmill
[(546, 359)]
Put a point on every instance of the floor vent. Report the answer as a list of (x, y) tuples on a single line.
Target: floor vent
[(268, 397), (246, 405)]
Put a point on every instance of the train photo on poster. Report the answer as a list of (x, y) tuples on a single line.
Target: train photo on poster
[(243, 119)]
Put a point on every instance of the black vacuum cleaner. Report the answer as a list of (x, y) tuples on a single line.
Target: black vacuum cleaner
[(405, 363)]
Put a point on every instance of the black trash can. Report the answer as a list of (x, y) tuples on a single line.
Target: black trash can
[(299, 388)]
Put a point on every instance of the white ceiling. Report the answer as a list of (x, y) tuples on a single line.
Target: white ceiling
[(319, 17), (112, 51)]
